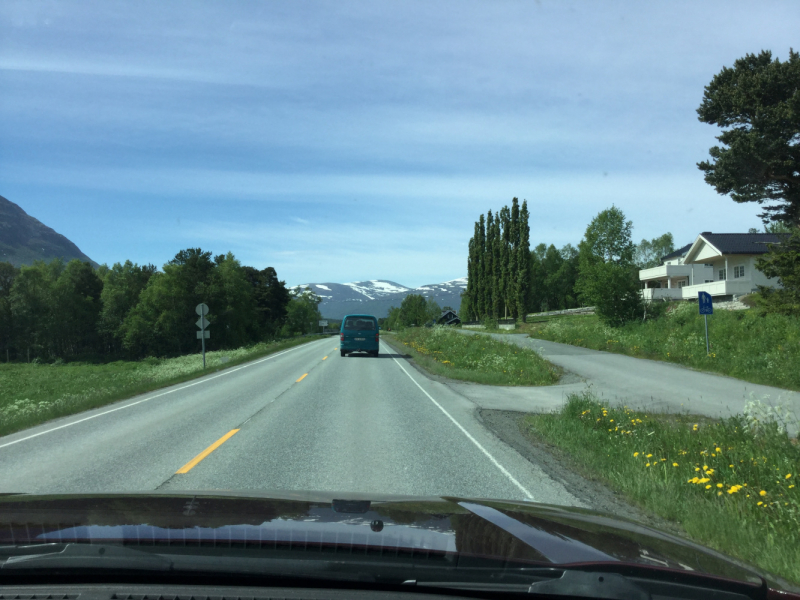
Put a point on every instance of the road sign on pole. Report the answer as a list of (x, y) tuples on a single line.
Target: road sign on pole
[(706, 305), (706, 308), (202, 310)]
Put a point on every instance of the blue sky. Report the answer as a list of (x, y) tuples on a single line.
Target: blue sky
[(341, 141)]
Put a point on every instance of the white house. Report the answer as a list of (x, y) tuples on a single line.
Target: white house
[(722, 264), (667, 280)]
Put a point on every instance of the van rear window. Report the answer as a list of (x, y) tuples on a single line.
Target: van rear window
[(360, 324)]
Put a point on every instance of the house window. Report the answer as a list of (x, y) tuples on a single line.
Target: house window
[(682, 283), (722, 275), (738, 272), (709, 281)]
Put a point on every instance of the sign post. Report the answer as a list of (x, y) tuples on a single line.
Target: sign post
[(706, 308), (323, 324), (202, 323)]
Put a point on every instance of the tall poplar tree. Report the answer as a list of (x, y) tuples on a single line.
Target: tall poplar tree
[(504, 254), (522, 265), (497, 270), (488, 283)]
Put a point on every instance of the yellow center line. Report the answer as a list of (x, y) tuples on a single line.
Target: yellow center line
[(324, 357), (193, 463), (301, 378)]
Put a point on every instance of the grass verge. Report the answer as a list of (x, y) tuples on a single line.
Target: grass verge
[(731, 484), (34, 393), (745, 344), (477, 358)]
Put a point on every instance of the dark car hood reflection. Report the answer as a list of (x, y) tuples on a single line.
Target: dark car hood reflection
[(386, 525)]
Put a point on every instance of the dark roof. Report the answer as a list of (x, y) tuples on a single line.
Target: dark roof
[(743, 243), (678, 253)]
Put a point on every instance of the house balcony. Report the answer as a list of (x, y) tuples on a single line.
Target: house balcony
[(662, 293), (731, 287), (665, 272)]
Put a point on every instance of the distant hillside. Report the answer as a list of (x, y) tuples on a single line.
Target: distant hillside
[(24, 239), (376, 296)]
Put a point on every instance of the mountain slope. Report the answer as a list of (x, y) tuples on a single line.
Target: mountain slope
[(376, 296), (24, 239)]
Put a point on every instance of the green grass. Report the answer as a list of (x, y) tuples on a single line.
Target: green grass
[(34, 393), (731, 484), (443, 351), (745, 344)]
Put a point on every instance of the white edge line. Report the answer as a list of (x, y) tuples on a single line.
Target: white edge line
[(227, 372), (467, 433)]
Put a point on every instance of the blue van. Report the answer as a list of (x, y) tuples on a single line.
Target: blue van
[(359, 333)]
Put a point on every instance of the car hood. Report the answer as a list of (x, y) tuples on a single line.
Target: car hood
[(484, 529)]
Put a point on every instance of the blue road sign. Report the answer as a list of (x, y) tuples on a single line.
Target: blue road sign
[(704, 300)]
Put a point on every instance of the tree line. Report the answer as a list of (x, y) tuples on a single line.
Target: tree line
[(414, 310), (71, 310), (602, 271)]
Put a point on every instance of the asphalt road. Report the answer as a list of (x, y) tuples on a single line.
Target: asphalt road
[(303, 419)]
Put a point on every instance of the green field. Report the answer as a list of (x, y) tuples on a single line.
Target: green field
[(34, 393), (731, 484), (446, 352), (746, 344)]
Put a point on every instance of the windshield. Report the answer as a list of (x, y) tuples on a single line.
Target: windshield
[(353, 323), (451, 260)]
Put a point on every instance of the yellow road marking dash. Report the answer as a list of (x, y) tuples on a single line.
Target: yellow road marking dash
[(301, 378), (193, 463), (324, 357)]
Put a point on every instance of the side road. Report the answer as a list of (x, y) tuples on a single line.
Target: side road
[(635, 382)]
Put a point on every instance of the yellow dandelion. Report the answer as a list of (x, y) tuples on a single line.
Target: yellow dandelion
[(674, 464), (635, 454), (719, 485), (762, 493), (708, 487)]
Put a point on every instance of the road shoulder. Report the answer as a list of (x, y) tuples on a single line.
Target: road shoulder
[(507, 426), (504, 423)]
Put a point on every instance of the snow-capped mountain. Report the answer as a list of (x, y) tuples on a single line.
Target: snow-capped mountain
[(377, 295)]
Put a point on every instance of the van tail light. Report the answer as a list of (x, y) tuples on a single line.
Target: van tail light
[(341, 337), (377, 339)]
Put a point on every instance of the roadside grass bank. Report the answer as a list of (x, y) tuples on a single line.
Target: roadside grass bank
[(31, 394), (744, 344), (532, 325), (731, 484), (443, 351)]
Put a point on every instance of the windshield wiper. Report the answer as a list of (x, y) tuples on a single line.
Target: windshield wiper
[(81, 556)]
